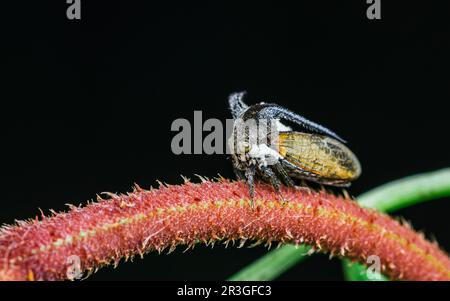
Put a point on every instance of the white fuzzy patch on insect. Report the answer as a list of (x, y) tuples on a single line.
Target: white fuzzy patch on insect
[(263, 155), (281, 127)]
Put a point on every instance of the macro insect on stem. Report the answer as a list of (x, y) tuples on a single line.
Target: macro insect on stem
[(264, 148)]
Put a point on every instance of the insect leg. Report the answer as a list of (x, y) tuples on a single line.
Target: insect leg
[(279, 169), (268, 173), (240, 175), (274, 181), (303, 174), (250, 175)]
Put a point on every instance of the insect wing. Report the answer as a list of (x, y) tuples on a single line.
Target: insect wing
[(319, 157)]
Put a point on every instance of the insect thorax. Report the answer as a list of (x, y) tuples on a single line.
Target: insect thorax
[(255, 141)]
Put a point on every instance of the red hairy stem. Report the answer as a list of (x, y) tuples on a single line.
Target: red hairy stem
[(124, 226)]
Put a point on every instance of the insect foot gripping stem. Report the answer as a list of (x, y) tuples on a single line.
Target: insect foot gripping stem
[(141, 221)]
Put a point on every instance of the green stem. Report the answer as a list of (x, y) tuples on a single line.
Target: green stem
[(357, 272), (408, 191), (388, 197), (273, 264)]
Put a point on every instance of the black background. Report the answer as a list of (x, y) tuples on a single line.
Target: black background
[(87, 105)]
